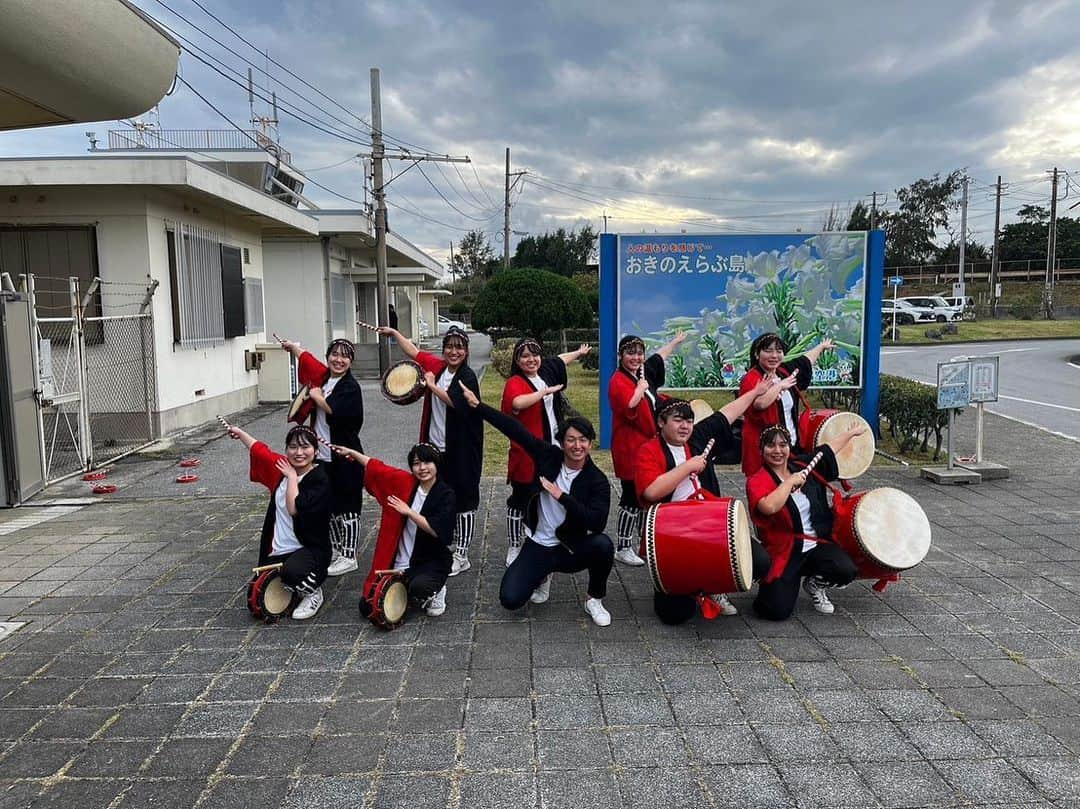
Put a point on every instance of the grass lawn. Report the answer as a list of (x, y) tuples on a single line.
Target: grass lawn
[(971, 331)]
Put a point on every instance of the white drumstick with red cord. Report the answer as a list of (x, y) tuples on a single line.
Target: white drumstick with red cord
[(704, 454), (367, 326)]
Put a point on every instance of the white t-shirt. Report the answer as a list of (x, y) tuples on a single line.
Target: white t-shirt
[(285, 539), (787, 407), (322, 428), (549, 406), (408, 534), (802, 503), (687, 488), (552, 513), (437, 427)]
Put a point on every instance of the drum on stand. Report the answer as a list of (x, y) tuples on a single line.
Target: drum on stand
[(698, 546), (267, 596), (403, 382), (386, 600), (817, 427), (884, 531)]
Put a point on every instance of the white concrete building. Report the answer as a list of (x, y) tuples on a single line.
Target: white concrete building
[(234, 258)]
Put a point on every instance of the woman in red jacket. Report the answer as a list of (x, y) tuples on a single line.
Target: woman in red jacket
[(530, 396), (633, 395), (779, 404)]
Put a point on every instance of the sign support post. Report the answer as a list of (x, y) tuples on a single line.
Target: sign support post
[(984, 388), (953, 392)]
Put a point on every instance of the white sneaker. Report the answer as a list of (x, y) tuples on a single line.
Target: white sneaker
[(460, 564), (512, 554), (541, 593), (726, 607), (599, 615), (309, 606), (628, 557), (341, 565), (437, 603), (816, 591)]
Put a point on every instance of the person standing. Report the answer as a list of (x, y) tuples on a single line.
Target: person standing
[(458, 433), (337, 418), (634, 398), (530, 395)]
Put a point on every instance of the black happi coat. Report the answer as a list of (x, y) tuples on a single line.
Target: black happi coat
[(346, 401), (463, 461)]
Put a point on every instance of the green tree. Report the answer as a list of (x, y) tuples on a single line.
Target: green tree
[(973, 251), (859, 218), (924, 209), (1026, 240), (532, 302), (560, 252), (473, 255)]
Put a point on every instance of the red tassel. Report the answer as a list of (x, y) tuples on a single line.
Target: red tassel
[(710, 610), (880, 585)]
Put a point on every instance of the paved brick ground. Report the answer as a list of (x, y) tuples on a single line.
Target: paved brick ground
[(139, 679)]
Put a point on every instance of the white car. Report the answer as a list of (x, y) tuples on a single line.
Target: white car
[(944, 312), (445, 323), (906, 313)]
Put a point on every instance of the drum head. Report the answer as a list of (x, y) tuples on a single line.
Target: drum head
[(276, 599), (854, 459), (739, 526), (402, 381), (702, 409), (298, 402), (395, 602), (892, 528)]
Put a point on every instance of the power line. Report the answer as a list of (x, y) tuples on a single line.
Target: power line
[(477, 205), (446, 200)]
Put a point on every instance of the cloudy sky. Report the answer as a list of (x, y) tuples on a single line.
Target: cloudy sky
[(696, 116)]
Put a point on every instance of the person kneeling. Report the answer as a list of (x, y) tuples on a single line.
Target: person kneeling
[(567, 520), (416, 526), (790, 508), (296, 530)]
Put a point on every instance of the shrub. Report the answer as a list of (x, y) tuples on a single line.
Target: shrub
[(530, 301), (911, 411)]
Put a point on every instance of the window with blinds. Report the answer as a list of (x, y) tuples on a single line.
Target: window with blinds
[(195, 278), (339, 310), (253, 305)]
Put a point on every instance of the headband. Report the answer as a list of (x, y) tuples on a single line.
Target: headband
[(302, 429), (774, 430), (529, 343), (454, 331), (630, 341), (675, 404), (345, 345)]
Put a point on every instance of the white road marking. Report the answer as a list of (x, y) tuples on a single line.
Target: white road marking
[(1044, 404), (36, 516), (1033, 424), (899, 351)]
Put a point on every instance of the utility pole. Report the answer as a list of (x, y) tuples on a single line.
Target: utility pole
[(453, 276), (873, 210), (605, 221), (963, 234), (382, 287), (517, 175), (378, 154), (995, 264), (1051, 251)]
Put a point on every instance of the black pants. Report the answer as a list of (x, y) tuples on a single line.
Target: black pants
[(827, 561), (678, 609), (425, 580), (521, 494), (628, 499), (535, 562), (304, 570)]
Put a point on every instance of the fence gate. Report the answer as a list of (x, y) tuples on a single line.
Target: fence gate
[(97, 376)]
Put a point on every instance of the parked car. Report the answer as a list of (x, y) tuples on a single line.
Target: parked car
[(944, 312), (445, 323), (966, 303), (906, 313)]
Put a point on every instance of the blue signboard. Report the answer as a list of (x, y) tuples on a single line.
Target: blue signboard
[(725, 290), (897, 280)]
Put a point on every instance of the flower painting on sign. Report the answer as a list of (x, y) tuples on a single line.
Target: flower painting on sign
[(724, 291)]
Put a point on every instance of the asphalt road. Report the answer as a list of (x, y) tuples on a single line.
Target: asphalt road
[(1037, 386)]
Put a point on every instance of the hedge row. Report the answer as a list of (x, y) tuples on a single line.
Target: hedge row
[(910, 408), (502, 348)]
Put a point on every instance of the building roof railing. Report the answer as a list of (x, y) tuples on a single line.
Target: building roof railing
[(195, 140)]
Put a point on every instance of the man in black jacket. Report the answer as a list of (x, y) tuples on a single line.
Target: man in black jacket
[(566, 519)]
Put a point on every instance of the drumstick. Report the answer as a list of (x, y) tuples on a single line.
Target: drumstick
[(274, 335), (380, 572), (708, 448), (332, 448), (368, 326), (224, 423), (261, 568), (813, 462)]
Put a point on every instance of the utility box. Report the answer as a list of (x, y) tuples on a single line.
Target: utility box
[(277, 373), (22, 456)]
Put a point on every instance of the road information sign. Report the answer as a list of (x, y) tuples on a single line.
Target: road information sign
[(984, 379), (953, 384)]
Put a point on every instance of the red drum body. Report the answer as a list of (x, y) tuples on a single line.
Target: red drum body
[(267, 597), (884, 531), (698, 546), (817, 427), (403, 383), (387, 600), (301, 408)]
